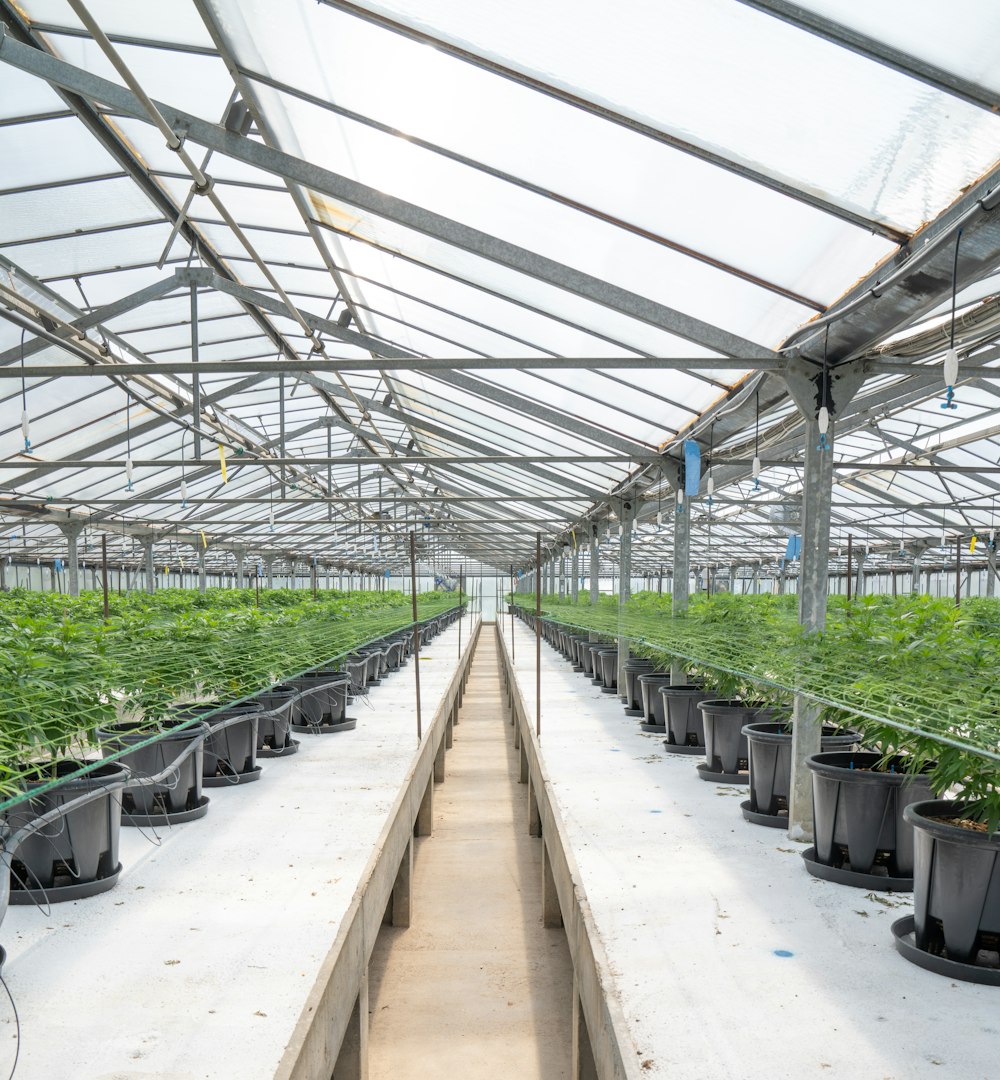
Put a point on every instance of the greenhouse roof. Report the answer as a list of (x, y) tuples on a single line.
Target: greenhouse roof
[(347, 270)]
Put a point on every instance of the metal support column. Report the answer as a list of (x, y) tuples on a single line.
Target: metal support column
[(574, 569), (991, 568), (147, 548), (595, 565), (292, 567), (71, 530), (813, 581), (681, 577), (202, 572), (624, 591), (269, 567), (241, 559)]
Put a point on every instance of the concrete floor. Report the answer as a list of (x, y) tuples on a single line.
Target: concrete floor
[(475, 987)]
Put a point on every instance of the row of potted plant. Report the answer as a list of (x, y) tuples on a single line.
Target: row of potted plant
[(877, 824), (196, 708)]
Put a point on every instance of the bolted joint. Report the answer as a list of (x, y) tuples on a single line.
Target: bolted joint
[(204, 187)]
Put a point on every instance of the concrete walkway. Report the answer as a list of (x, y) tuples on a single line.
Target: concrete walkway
[(475, 987)]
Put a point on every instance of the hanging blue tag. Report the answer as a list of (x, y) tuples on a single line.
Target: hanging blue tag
[(794, 547), (58, 566), (692, 467)]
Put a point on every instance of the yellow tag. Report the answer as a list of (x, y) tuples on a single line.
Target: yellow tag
[(972, 545), (573, 531), (204, 542), (222, 463)]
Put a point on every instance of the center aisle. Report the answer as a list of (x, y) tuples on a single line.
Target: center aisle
[(476, 987)]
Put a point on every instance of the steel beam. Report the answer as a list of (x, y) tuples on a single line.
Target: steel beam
[(870, 48), (740, 168), (378, 203)]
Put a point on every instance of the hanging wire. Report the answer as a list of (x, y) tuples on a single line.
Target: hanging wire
[(17, 1028), (951, 356)]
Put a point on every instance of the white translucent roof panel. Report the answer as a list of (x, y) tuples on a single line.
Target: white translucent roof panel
[(742, 63), (472, 114), (26, 151), (961, 38), (175, 22), (529, 221)]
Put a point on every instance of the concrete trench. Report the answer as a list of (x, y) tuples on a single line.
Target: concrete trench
[(475, 986)]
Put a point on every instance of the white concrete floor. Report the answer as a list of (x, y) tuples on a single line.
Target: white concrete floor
[(729, 961), (199, 962), (475, 987)]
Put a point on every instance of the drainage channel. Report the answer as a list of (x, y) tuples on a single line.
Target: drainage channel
[(475, 987)]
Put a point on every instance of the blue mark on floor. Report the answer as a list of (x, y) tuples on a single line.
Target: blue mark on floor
[(656, 811), (783, 952), (615, 750)]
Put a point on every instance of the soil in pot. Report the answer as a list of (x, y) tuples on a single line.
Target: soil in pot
[(75, 856), (176, 798), (955, 926), (861, 836), (770, 746)]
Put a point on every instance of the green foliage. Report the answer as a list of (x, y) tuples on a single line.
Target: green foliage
[(64, 672), (918, 676)]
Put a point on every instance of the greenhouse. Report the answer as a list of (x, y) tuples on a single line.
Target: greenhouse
[(499, 539)]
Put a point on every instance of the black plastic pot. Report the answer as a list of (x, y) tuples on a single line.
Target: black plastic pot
[(652, 703), (586, 658), (596, 667), (175, 798), (274, 725), (634, 667), (324, 702), (726, 750), (862, 838), (609, 671), (231, 744), (955, 926), (685, 728), (77, 855), (771, 768)]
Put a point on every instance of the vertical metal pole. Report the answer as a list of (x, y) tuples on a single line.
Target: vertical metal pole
[(195, 381), (850, 559), (202, 572), (104, 574), (256, 582), (461, 582), (150, 568), (512, 613), (416, 630), (624, 592), (958, 571), (991, 568), (71, 530), (538, 635), (659, 582), (329, 472), (817, 497), (281, 430), (595, 565), (681, 581), (574, 569)]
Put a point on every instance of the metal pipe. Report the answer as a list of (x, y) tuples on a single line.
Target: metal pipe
[(538, 636), (416, 630)]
